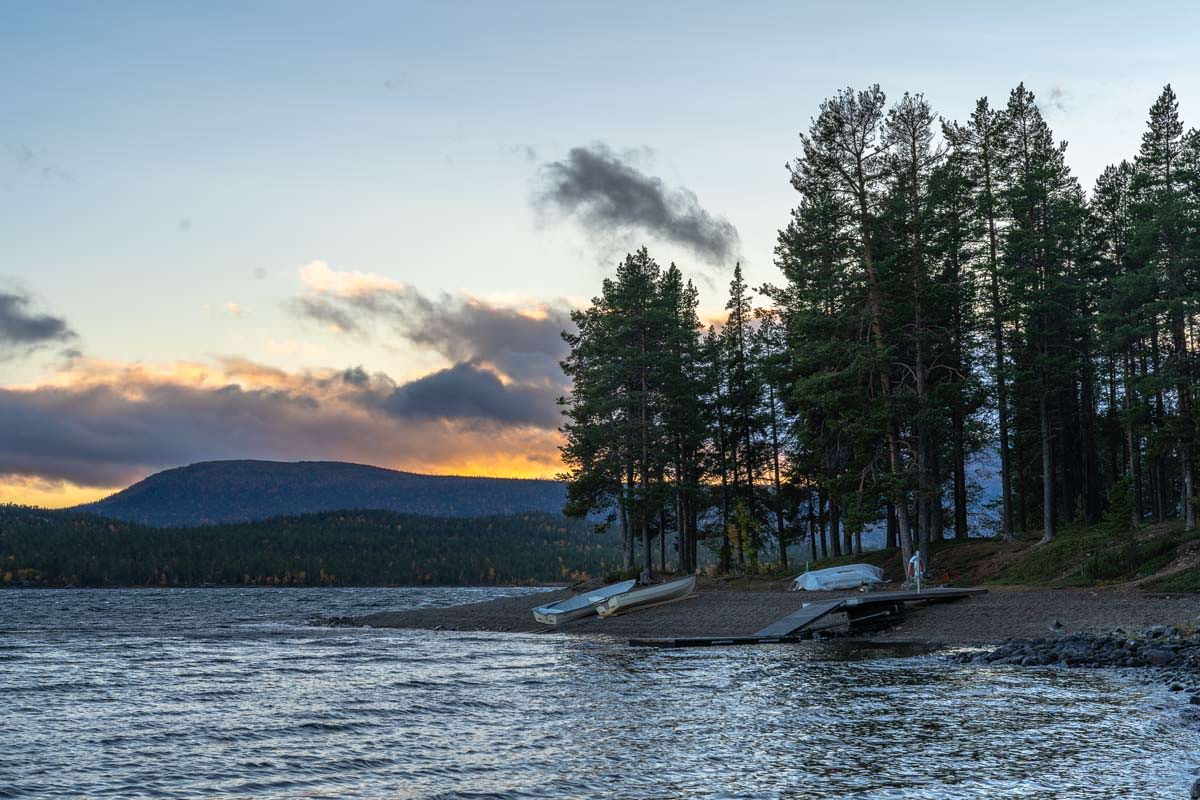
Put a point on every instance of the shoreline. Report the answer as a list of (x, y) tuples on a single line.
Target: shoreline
[(1004, 613)]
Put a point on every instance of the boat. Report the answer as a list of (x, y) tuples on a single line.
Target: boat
[(648, 596), (581, 605), (849, 576)]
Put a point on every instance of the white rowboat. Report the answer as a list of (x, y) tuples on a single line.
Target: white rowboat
[(581, 605), (648, 596)]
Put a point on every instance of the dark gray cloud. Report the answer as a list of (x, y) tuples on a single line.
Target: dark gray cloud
[(521, 345), (327, 312), (607, 195), (112, 433), (23, 330), (356, 376), (504, 372), (99, 436), (465, 391)]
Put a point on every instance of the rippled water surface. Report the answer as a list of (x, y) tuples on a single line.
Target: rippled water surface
[(228, 693)]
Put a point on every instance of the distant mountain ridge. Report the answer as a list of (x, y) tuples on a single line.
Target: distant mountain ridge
[(213, 492)]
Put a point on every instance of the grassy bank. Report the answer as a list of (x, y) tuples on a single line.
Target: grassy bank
[(1157, 558)]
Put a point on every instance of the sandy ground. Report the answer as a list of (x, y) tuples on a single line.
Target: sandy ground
[(1000, 614)]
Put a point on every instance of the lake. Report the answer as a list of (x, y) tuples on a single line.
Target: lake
[(232, 693)]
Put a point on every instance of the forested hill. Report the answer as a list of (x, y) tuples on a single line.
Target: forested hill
[(213, 492), (358, 548)]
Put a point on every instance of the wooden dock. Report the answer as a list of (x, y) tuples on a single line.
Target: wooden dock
[(862, 612), (800, 619)]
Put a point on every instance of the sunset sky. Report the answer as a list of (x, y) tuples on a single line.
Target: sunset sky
[(355, 230)]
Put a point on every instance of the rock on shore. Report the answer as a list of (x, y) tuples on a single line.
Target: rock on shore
[(1172, 653)]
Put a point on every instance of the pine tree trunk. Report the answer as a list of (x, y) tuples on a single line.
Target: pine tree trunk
[(835, 518), (783, 556), (1006, 495), (813, 529), (693, 526), (662, 540), (1116, 441), (1092, 463), (885, 380), (626, 532), (680, 529), (937, 517), (891, 542), (932, 517), (1185, 418), (925, 497), (647, 553), (848, 539), (960, 479), (1160, 483), (1022, 493), (726, 554), (737, 477), (1132, 445), (822, 524), (1047, 467)]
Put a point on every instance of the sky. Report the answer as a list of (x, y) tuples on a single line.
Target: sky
[(354, 230)]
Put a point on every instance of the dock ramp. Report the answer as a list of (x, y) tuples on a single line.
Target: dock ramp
[(796, 627)]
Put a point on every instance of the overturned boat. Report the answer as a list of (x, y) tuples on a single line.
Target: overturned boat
[(849, 576), (648, 596), (581, 605)]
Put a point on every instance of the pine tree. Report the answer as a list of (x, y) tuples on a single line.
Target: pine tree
[(614, 369), (955, 232), (976, 144), (770, 355), (1041, 198), (1123, 295), (1161, 238), (744, 398), (830, 370), (908, 135), (684, 410), (845, 150)]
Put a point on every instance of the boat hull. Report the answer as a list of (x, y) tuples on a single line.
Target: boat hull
[(650, 595), (580, 606)]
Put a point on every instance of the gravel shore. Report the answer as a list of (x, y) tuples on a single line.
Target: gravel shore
[(1003, 613)]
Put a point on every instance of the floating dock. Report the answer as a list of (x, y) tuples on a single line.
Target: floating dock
[(863, 611)]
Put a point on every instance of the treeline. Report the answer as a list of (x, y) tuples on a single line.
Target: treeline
[(948, 290), (345, 548)]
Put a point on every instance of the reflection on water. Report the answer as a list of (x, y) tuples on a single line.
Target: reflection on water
[(227, 693)]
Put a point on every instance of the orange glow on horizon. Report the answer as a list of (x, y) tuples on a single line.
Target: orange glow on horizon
[(51, 495)]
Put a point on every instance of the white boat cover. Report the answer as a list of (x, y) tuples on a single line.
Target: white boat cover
[(850, 576)]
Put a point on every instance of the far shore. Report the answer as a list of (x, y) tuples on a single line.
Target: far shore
[(719, 610)]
